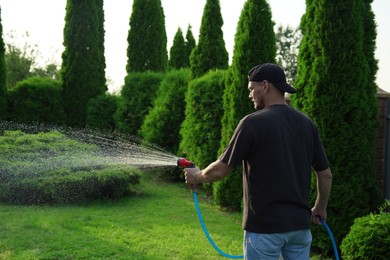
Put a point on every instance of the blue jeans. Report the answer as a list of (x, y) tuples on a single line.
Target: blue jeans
[(290, 245)]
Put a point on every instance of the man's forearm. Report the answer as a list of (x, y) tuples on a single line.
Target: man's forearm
[(324, 186), (214, 172)]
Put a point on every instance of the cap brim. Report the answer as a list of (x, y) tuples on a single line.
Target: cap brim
[(285, 87)]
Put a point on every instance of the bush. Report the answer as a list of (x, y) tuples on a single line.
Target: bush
[(50, 168), (100, 112), (36, 99), (368, 238), (136, 100), (162, 124)]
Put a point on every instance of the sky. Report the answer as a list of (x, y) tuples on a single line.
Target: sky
[(43, 20)]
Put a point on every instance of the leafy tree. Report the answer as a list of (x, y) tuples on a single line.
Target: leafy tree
[(210, 53), (336, 90), (177, 54), (21, 62), (147, 39), (3, 77), (254, 44), (83, 61), (287, 46)]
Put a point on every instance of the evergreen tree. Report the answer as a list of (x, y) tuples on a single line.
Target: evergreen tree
[(254, 44), (338, 73), (210, 53), (202, 126), (137, 96), (190, 44), (3, 80), (147, 39), (83, 61), (177, 54), (161, 125)]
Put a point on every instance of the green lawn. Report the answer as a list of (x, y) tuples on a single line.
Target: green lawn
[(159, 223)]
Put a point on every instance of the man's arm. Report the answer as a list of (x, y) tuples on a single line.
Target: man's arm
[(324, 186), (214, 172)]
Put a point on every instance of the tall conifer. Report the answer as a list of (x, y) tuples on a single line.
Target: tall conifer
[(255, 43), (178, 53), (3, 87), (83, 61), (335, 85), (147, 39), (210, 53)]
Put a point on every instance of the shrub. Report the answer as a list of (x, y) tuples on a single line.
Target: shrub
[(100, 112), (162, 124), (50, 168), (136, 100), (368, 238), (36, 99)]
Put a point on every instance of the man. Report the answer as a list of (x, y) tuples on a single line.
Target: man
[(278, 147)]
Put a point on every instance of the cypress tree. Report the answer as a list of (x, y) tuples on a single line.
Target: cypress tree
[(3, 81), (177, 54), (255, 43), (83, 61), (338, 73), (210, 53), (147, 39), (190, 44), (199, 138)]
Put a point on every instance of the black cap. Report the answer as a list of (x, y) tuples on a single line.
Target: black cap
[(273, 74)]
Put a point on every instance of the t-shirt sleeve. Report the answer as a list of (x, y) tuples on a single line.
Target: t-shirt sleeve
[(239, 146), (320, 160)]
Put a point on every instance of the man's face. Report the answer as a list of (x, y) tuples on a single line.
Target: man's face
[(256, 94)]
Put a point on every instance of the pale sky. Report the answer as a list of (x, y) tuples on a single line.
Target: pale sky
[(44, 22)]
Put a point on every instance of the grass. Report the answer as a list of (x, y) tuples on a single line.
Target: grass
[(160, 223)]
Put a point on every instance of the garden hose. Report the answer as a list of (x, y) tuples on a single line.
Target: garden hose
[(336, 252), (184, 163)]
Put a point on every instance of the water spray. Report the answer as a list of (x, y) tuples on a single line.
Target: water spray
[(184, 163)]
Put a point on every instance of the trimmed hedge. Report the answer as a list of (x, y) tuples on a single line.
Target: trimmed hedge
[(368, 238), (49, 168), (36, 99)]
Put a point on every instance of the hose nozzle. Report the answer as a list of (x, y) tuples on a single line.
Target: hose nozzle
[(184, 163)]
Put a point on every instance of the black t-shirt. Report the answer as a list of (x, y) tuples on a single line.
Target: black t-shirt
[(278, 147)]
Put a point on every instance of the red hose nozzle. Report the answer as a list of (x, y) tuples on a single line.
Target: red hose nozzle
[(184, 163)]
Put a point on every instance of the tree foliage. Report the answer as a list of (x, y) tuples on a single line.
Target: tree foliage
[(254, 44), (3, 79), (136, 100), (83, 61), (147, 39), (177, 54), (101, 111), (335, 87), (161, 125), (36, 99), (201, 127), (210, 53)]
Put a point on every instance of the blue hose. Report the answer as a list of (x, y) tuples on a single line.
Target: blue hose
[(323, 222), (207, 233), (336, 252)]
